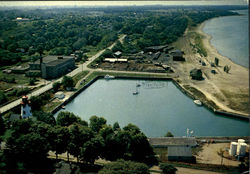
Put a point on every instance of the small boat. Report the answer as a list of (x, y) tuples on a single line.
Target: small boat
[(136, 91), (138, 85), (63, 107), (107, 77), (198, 102)]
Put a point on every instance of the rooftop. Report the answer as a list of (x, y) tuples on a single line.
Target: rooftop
[(172, 141), (49, 59), (179, 151)]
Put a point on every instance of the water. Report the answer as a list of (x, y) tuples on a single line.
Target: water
[(230, 36), (158, 108)]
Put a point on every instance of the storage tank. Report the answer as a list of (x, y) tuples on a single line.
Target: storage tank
[(242, 149), (233, 148), (238, 147), (241, 141)]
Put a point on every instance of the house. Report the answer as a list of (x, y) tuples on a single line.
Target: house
[(118, 54), (177, 55), (54, 66), (196, 74)]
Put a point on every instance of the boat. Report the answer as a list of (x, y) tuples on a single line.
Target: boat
[(63, 107), (198, 102), (107, 77), (136, 91), (138, 85)]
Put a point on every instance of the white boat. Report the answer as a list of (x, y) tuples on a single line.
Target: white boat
[(198, 102), (107, 77), (136, 91)]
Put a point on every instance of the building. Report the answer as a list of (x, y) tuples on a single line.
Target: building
[(179, 148), (118, 54), (25, 108), (180, 153), (177, 55), (155, 49), (54, 66), (114, 60)]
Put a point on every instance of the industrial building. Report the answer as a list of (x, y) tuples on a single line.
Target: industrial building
[(53, 66)]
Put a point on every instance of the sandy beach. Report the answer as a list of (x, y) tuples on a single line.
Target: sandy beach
[(228, 92)]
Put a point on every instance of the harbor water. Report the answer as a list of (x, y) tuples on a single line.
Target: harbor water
[(158, 107)]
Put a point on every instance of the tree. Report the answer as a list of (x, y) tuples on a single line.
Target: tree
[(227, 68), (68, 118), (96, 123), (2, 126), (56, 86), (60, 139), (167, 168), (169, 134), (124, 167), (32, 81), (221, 154), (3, 98), (78, 136), (92, 149), (67, 82), (116, 126), (45, 117), (216, 61)]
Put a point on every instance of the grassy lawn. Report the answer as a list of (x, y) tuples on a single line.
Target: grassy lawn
[(50, 106), (79, 76), (92, 51)]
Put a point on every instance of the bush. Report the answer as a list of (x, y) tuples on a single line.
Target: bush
[(169, 134), (56, 86), (67, 82), (167, 168), (3, 98), (124, 167), (32, 81), (23, 91), (33, 74)]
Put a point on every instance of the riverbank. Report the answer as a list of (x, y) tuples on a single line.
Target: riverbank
[(224, 92)]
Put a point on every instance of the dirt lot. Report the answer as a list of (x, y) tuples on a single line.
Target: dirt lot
[(209, 155)]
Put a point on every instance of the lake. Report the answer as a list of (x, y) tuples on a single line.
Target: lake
[(158, 108), (230, 36)]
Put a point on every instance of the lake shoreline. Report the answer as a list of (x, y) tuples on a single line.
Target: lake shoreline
[(224, 92)]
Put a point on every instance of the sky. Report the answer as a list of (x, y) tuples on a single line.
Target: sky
[(121, 3)]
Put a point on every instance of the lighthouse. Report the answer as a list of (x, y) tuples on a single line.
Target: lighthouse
[(25, 107)]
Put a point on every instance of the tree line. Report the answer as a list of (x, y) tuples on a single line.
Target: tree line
[(29, 142)]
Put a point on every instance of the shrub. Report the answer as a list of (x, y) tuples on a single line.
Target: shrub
[(167, 168)]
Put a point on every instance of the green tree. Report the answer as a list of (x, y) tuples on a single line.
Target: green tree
[(78, 136), (92, 149), (3, 98), (45, 117), (124, 167), (96, 123), (216, 61), (67, 82), (167, 168), (68, 118), (116, 126), (60, 139), (56, 86), (169, 134)]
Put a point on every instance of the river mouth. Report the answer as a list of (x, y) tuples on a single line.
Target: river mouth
[(158, 107)]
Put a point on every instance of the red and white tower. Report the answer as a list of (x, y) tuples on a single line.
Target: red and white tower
[(25, 107)]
